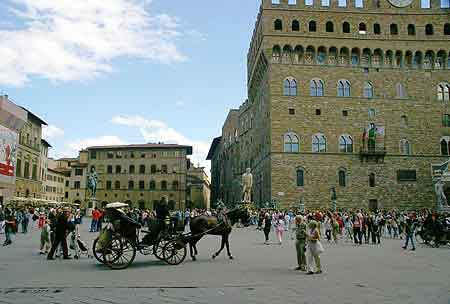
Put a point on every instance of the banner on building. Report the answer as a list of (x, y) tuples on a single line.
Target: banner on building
[(8, 148)]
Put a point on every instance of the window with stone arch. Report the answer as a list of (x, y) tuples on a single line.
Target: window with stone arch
[(445, 145), (312, 26), (329, 27), (425, 3), (290, 87), (342, 176), (291, 143), (346, 27), (411, 30), (372, 180), (368, 90), (445, 3), (443, 92), (276, 53), (346, 144), (278, 25), (344, 88), (295, 26), (446, 120), (400, 90), (319, 143), (404, 121), (316, 88), (342, 3), (405, 147), (447, 29), (300, 174), (429, 30), (394, 29)]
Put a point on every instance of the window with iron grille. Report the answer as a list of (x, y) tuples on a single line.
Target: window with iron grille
[(406, 175)]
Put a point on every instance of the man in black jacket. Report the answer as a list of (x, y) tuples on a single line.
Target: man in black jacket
[(162, 212), (62, 228)]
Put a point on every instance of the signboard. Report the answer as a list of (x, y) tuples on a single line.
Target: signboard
[(8, 149)]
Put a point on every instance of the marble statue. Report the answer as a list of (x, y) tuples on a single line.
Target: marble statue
[(247, 186), (441, 198)]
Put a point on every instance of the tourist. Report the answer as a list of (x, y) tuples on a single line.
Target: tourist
[(99, 220), (25, 221), (314, 248), (348, 228), (394, 226), (301, 242), (94, 221), (279, 228), (267, 227), (409, 233), (62, 227), (327, 227), (9, 227), (357, 234), (45, 237), (335, 228), (2, 220)]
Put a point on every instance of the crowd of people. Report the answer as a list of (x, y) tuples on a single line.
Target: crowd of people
[(308, 228)]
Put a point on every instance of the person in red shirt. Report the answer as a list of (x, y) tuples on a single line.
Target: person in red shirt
[(94, 221)]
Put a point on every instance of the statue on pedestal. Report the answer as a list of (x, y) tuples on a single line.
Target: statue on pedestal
[(247, 186), (92, 186), (441, 198)]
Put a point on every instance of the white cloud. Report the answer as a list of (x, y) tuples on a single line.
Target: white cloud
[(72, 148), (180, 103), (52, 131), (67, 40), (158, 131)]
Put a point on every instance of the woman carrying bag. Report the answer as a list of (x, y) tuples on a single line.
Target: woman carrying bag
[(314, 248)]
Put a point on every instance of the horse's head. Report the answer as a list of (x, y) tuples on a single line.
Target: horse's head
[(239, 213)]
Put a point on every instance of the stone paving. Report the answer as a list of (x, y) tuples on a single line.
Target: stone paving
[(259, 274)]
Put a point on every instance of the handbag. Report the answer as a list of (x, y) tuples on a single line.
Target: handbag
[(319, 248)]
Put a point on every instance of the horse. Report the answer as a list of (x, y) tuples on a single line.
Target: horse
[(203, 225)]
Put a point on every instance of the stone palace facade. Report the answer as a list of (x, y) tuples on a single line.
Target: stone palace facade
[(344, 94)]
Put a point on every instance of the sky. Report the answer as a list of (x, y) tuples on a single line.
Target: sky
[(126, 71)]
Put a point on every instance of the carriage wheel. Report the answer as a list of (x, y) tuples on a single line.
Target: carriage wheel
[(120, 253), (98, 252), (174, 252), (158, 249)]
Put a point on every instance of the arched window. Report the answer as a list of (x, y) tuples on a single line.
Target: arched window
[(362, 28), (446, 120), (291, 143), (295, 26), (152, 185), (300, 177), (131, 169), (411, 30), (342, 178), (443, 93), (287, 54), (404, 121), (342, 3), (163, 185), (346, 144), (355, 56), (142, 169), (175, 185), (278, 25), (429, 29), (445, 3), (400, 90), (319, 143), (325, 3), (329, 27), (290, 87), (359, 3), (372, 180), (130, 185), (368, 90), (394, 29), (343, 88), (117, 185), (445, 146), (153, 169), (312, 26), (377, 29), (405, 147), (346, 27), (276, 53), (447, 29), (316, 87)]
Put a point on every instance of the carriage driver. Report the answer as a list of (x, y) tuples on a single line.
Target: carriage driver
[(162, 212), (222, 214)]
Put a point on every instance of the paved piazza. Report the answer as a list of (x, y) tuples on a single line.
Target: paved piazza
[(259, 274)]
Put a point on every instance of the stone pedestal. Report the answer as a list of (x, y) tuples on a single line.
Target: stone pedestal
[(93, 202)]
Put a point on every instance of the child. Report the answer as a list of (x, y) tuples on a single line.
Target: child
[(45, 237)]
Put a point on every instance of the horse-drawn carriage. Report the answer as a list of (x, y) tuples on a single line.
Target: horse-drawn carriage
[(120, 240)]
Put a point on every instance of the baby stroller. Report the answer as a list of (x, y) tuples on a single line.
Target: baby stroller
[(78, 246)]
